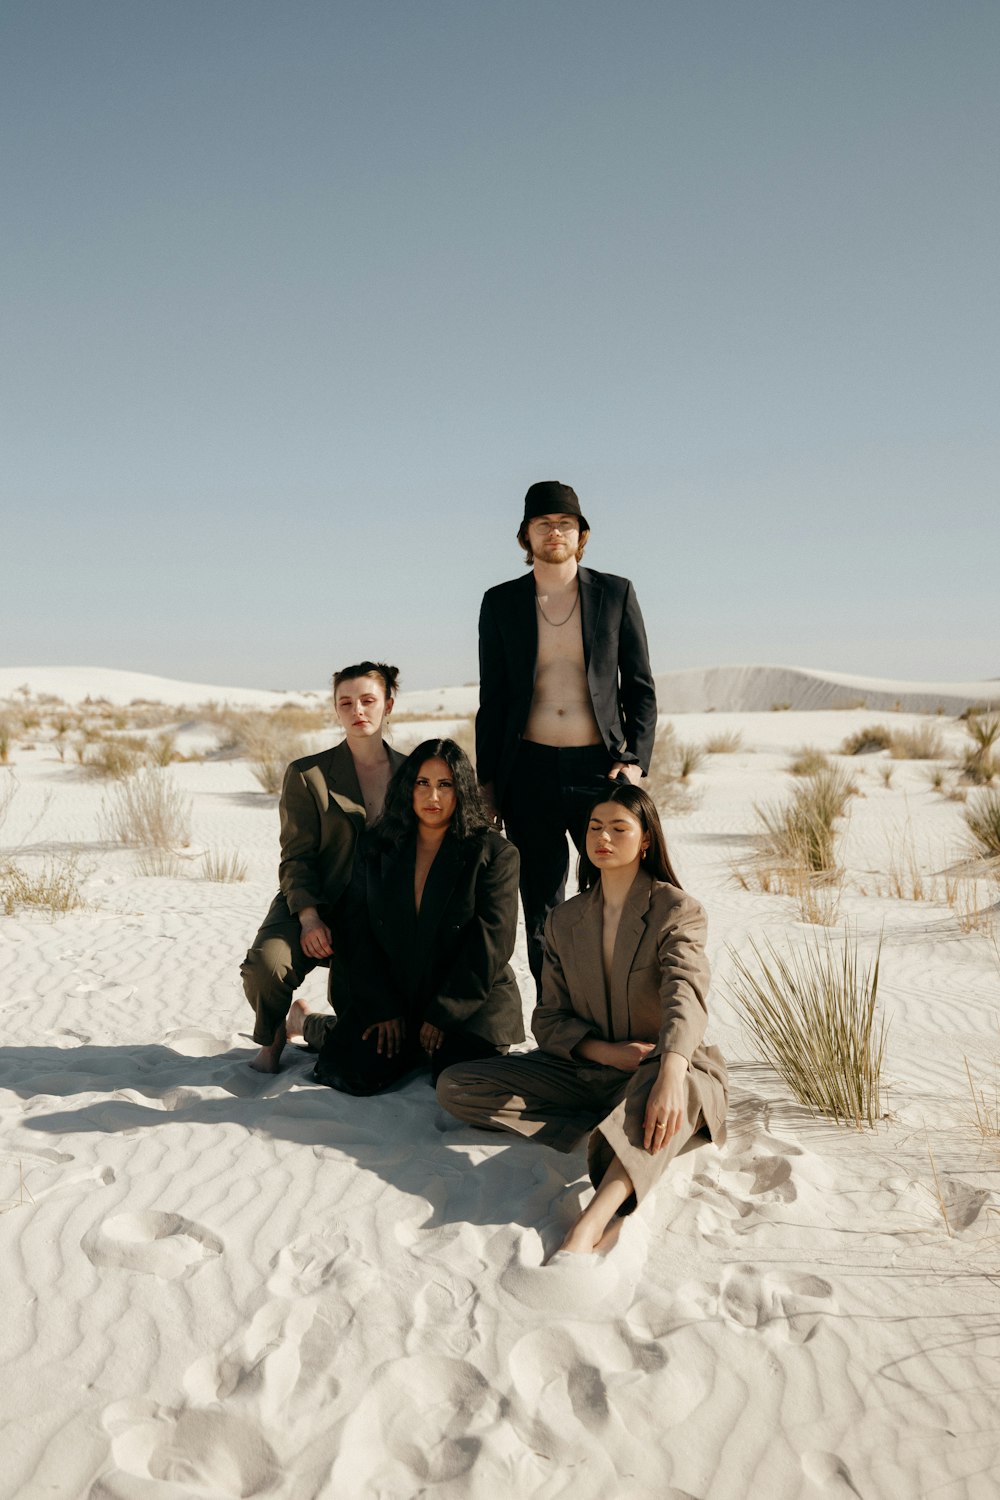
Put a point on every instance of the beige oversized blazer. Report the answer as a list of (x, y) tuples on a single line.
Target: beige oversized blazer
[(659, 983), (322, 813)]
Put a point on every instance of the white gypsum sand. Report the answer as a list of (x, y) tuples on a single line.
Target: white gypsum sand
[(218, 1283)]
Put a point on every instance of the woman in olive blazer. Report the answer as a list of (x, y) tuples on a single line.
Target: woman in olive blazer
[(425, 936), (620, 1025), (326, 800)]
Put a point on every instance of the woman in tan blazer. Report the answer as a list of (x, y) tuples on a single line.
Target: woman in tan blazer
[(620, 1024), (326, 801)]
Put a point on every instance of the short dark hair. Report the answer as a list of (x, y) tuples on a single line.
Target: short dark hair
[(398, 822), (656, 860), (389, 675)]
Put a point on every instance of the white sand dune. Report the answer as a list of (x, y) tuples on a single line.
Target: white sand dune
[(218, 1284), (755, 689)]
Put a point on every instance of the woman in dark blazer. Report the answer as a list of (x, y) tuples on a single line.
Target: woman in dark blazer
[(620, 1025), (425, 936)]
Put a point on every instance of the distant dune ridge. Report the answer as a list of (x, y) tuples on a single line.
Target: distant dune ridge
[(748, 689)]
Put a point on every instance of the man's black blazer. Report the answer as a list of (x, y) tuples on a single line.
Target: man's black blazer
[(618, 671)]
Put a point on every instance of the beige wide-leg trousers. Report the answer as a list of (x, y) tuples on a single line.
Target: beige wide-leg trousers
[(559, 1101)]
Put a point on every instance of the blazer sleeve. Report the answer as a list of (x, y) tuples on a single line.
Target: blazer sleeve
[(491, 720), (556, 1026), (486, 945), (299, 874), (637, 691), (684, 978)]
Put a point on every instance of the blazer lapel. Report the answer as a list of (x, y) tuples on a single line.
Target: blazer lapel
[(342, 780), (588, 957), (591, 600), (631, 930), (524, 628)]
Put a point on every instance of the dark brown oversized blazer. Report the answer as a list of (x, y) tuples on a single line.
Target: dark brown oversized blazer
[(322, 813), (617, 661), (449, 964), (659, 983)]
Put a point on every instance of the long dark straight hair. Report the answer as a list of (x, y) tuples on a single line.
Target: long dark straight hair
[(656, 860), (398, 822)]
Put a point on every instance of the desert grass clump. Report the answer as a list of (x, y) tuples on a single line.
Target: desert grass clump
[(114, 760), (797, 854), (4, 740), (158, 864), (54, 889), (229, 869), (161, 750), (807, 761), (688, 757), (663, 779), (866, 741), (982, 818), (812, 1015), (147, 811), (885, 772), (727, 742), (985, 1103), (979, 764), (923, 743)]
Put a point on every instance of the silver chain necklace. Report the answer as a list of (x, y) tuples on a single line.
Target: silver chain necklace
[(557, 624)]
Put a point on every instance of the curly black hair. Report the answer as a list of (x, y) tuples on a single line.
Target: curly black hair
[(656, 860), (398, 822)]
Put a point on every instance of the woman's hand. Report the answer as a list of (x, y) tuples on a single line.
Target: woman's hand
[(390, 1036), (431, 1037), (666, 1104), (625, 1056), (316, 939)]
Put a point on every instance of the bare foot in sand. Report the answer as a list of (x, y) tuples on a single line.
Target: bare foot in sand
[(266, 1060), (295, 1021)]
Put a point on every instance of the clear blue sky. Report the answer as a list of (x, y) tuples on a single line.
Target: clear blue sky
[(297, 299)]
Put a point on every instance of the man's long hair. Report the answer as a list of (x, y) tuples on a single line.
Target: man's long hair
[(656, 860), (398, 823)]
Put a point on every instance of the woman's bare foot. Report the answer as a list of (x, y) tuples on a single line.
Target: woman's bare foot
[(266, 1060), (295, 1021)]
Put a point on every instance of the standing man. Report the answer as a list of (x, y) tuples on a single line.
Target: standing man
[(566, 697)]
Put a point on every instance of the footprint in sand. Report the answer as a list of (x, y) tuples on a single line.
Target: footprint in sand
[(444, 1316), (158, 1244), (312, 1263), (792, 1310), (189, 1041), (425, 1414), (190, 1451)]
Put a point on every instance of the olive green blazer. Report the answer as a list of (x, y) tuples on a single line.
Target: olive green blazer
[(322, 813)]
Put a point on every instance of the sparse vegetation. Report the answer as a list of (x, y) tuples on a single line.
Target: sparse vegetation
[(160, 864), (812, 1016), (979, 765), (865, 741), (923, 743), (663, 779), (780, 708), (4, 740), (886, 774), (985, 1103), (147, 811), (54, 888), (726, 742), (983, 820), (797, 855), (229, 868), (114, 759), (161, 750), (807, 761)]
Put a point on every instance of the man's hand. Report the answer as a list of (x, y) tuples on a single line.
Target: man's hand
[(431, 1037), (632, 773), (317, 939), (390, 1036)]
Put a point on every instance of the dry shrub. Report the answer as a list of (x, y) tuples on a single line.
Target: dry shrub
[(865, 741), (979, 764), (807, 761), (161, 750), (688, 758), (226, 868), (727, 742), (886, 774), (923, 743), (663, 779), (148, 811), (161, 864), (797, 855), (812, 1017), (114, 760), (982, 818), (54, 889), (780, 708), (936, 778), (4, 740), (985, 1103)]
